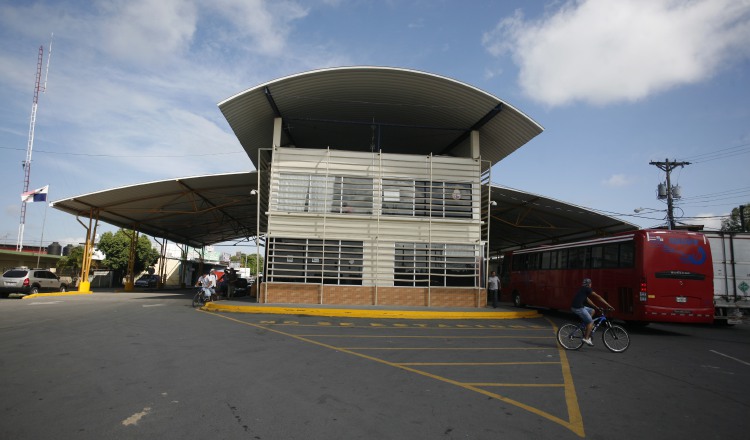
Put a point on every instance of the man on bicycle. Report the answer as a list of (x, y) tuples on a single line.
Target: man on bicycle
[(586, 314)]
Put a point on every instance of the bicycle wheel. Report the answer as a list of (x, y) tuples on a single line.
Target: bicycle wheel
[(570, 336), (616, 338), (198, 299)]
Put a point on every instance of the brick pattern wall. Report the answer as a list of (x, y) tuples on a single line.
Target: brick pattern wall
[(402, 296), (281, 293)]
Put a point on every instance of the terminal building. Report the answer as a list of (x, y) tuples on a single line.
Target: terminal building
[(372, 186)]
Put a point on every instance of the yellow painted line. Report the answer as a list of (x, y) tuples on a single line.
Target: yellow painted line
[(401, 326), (471, 364), (420, 336), (524, 385), (575, 425), (366, 313), (37, 295), (450, 348), (575, 419)]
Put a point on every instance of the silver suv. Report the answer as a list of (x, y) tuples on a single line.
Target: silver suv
[(30, 281)]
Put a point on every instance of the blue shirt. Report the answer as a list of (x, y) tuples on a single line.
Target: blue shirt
[(579, 300)]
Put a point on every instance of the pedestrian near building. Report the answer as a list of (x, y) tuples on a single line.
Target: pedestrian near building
[(231, 278), (493, 285)]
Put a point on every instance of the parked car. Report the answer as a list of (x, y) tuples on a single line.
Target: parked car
[(29, 281), (147, 281)]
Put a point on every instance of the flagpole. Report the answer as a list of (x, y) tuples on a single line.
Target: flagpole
[(44, 220)]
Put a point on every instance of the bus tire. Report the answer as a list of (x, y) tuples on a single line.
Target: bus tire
[(517, 299)]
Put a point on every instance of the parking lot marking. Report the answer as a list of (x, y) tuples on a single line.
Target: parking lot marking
[(313, 335), (574, 422), (458, 364), (449, 348), (729, 357), (523, 385)]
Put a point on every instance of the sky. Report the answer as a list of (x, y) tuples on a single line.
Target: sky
[(133, 85)]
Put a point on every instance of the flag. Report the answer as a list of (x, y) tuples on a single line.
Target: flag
[(38, 195)]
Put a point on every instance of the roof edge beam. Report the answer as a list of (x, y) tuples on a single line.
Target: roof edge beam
[(477, 125), (277, 113)]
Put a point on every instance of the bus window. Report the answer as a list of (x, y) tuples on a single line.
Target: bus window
[(554, 262), (545, 260), (563, 259), (597, 259), (627, 254), (578, 257), (611, 255)]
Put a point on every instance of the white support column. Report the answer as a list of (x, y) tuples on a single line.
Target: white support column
[(474, 144), (276, 132)]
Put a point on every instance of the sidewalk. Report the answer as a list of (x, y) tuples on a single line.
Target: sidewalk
[(248, 305)]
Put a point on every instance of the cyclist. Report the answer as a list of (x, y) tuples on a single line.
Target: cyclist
[(586, 314), (207, 283)]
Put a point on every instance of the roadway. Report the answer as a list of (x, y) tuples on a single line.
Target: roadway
[(146, 364)]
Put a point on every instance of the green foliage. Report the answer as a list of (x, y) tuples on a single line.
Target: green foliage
[(72, 263), (116, 247), (733, 224), (248, 260)]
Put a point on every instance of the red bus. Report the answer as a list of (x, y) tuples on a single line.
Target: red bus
[(647, 275)]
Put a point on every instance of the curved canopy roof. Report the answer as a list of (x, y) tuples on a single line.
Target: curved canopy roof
[(352, 108), (212, 209), (377, 108)]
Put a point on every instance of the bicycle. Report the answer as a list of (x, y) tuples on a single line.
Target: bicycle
[(199, 299), (615, 338)]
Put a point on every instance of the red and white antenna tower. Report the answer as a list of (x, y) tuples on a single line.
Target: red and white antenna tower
[(38, 87)]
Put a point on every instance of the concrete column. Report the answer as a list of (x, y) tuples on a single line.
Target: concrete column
[(276, 132), (474, 141)]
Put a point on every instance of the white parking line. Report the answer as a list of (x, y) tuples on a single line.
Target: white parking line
[(43, 303), (730, 357), (152, 305)]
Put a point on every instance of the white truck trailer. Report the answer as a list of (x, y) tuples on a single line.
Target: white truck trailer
[(730, 252)]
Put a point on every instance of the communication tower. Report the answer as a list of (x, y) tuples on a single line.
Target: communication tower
[(26, 164)]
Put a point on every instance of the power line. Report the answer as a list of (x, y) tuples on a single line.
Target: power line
[(214, 153), (722, 154)]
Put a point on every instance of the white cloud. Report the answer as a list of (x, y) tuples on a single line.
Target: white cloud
[(146, 31), (618, 180), (267, 23), (605, 51), (710, 221)]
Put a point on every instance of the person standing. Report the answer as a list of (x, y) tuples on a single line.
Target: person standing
[(578, 306), (231, 278), (210, 282), (493, 285)]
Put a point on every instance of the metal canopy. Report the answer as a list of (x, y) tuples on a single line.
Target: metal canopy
[(352, 108), (207, 210), (377, 108), (195, 211), (523, 220)]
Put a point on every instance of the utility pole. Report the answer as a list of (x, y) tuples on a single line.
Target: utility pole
[(667, 167), (742, 218)]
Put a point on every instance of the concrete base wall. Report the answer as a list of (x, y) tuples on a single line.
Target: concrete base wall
[(290, 293)]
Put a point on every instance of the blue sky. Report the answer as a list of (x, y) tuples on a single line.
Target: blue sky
[(133, 89)]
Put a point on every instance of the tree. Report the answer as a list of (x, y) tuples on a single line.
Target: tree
[(116, 247), (72, 263), (248, 260), (733, 224)]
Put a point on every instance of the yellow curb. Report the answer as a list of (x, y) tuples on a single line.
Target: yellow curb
[(37, 295), (362, 313)]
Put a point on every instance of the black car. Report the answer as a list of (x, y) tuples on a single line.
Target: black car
[(147, 281)]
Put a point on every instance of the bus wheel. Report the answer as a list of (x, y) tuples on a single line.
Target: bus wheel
[(517, 299)]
